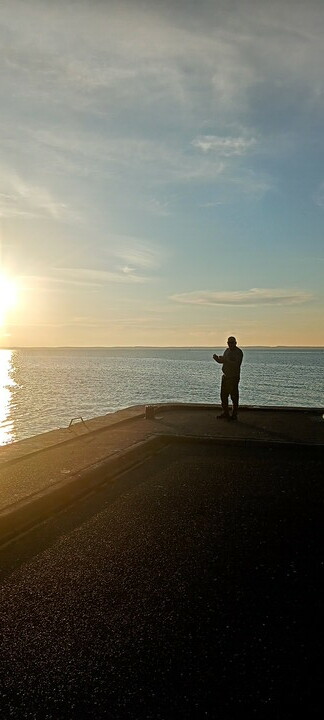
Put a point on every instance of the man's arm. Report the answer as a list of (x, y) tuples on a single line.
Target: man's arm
[(218, 358)]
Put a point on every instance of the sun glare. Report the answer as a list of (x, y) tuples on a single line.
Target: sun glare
[(8, 296)]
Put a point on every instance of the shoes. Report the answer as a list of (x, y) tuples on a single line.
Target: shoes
[(227, 416)]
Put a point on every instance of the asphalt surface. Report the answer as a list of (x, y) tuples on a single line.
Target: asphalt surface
[(189, 588)]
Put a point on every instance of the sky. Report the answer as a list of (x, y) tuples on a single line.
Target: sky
[(161, 172)]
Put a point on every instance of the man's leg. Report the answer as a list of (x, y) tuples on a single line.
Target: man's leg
[(235, 398), (224, 398)]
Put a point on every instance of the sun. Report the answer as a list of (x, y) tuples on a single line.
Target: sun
[(8, 295)]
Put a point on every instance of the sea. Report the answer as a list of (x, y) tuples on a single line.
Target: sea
[(42, 389)]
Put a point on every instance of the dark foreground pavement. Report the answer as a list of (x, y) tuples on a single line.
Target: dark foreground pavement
[(189, 588)]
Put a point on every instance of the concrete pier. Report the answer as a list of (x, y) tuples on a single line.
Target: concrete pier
[(164, 564)]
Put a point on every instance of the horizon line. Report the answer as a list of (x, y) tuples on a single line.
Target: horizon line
[(152, 347)]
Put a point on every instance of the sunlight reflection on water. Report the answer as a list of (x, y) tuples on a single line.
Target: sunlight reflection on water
[(6, 385)]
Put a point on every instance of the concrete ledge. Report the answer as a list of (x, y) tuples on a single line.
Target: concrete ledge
[(36, 444), (19, 517), (242, 408)]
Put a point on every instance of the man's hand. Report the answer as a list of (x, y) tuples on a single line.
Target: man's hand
[(218, 358)]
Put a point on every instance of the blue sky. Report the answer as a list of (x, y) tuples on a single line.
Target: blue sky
[(161, 172)]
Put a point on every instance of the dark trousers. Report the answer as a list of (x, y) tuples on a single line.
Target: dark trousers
[(230, 387)]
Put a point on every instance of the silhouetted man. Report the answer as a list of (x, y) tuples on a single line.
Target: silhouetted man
[(231, 361)]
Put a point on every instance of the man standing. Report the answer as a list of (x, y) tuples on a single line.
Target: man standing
[(231, 361)]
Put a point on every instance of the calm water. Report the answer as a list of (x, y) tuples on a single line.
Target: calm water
[(42, 389)]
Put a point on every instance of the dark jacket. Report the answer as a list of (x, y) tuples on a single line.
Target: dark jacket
[(232, 360)]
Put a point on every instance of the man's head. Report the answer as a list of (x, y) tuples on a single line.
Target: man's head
[(231, 342)]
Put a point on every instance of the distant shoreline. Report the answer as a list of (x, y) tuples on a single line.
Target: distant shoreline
[(157, 347)]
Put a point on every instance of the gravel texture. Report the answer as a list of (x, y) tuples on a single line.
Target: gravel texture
[(191, 588)]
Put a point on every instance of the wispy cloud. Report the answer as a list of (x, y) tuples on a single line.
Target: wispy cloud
[(212, 203), (319, 195), (138, 254), (224, 146), (82, 277), (64, 55), (158, 161), (251, 184), (19, 198), (255, 296), (98, 278), (83, 62), (129, 321), (159, 207), (121, 260)]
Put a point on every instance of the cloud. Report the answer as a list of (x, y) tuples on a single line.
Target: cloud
[(319, 195), (86, 277), (165, 75), (95, 55), (212, 204), (255, 296), (224, 146), (19, 198), (137, 254), (159, 207), (157, 161), (119, 259), (251, 184), (129, 321)]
